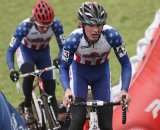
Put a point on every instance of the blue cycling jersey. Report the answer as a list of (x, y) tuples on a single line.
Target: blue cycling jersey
[(28, 40), (10, 119), (90, 63)]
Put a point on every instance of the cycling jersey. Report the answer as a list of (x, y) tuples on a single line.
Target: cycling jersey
[(30, 40), (90, 63), (10, 119)]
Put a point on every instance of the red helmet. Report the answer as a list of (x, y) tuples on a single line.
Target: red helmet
[(43, 12)]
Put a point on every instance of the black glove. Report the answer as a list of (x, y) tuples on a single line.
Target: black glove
[(61, 109), (14, 75), (56, 62)]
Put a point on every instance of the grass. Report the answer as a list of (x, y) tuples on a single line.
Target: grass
[(130, 18)]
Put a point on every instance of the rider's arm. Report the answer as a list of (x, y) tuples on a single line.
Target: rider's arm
[(119, 48), (126, 69), (59, 34), (69, 49), (21, 31)]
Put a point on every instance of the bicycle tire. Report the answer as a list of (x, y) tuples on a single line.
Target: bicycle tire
[(34, 111), (50, 123), (36, 117)]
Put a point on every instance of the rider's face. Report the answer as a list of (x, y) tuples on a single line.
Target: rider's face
[(43, 28), (93, 32)]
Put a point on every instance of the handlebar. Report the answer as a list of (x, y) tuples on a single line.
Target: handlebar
[(37, 72), (34, 73), (124, 110), (97, 104)]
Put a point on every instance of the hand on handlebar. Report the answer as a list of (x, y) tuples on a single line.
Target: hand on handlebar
[(66, 99), (124, 97), (14, 75), (56, 62)]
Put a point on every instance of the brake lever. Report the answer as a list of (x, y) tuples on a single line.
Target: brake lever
[(125, 105)]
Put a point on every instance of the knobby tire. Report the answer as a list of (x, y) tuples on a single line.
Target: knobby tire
[(36, 116), (50, 121)]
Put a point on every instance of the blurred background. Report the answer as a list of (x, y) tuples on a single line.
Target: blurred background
[(130, 18)]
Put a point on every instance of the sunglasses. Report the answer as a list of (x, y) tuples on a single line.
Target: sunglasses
[(43, 25)]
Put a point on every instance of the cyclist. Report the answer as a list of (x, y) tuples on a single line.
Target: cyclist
[(31, 44), (85, 62), (10, 119)]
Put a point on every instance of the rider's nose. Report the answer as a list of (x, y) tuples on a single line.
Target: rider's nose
[(95, 28)]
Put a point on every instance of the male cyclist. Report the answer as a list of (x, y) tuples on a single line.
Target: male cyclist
[(87, 50), (31, 44)]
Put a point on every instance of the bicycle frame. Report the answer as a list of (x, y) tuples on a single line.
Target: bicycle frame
[(41, 102)]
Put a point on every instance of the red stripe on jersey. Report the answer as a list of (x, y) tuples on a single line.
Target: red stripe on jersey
[(87, 62), (106, 57), (78, 58), (98, 61), (25, 42), (33, 46)]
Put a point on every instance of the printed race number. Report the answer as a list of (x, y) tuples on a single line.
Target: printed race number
[(62, 37), (13, 41), (121, 50), (65, 55)]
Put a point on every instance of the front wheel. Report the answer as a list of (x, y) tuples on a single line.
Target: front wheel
[(37, 114), (50, 123)]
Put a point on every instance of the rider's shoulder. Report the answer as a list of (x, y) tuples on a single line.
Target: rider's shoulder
[(78, 32), (107, 29), (76, 35), (57, 26), (56, 22), (27, 23), (112, 35), (74, 38)]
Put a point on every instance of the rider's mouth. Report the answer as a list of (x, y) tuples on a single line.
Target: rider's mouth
[(95, 35)]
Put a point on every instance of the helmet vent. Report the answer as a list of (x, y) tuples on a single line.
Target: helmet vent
[(92, 13), (43, 16), (43, 12), (39, 17), (40, 10)]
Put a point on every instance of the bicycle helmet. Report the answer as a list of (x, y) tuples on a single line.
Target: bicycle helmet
[(92, 13), (43, 12)]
